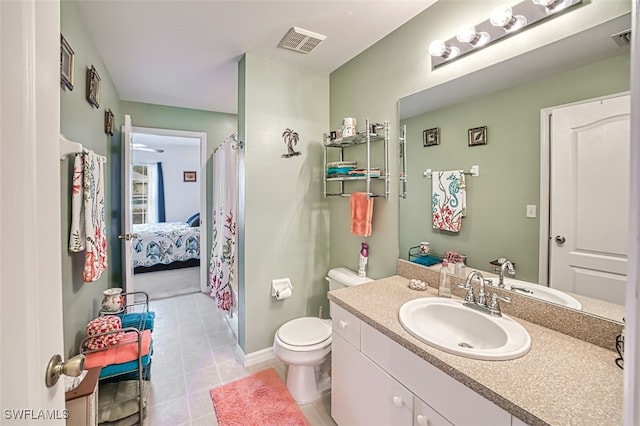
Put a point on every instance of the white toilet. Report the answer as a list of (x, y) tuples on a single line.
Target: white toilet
[(304, 344)]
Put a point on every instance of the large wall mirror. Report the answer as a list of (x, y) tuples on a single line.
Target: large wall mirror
[(503, 218)]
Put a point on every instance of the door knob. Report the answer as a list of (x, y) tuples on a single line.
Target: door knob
[(72, 367), (560, 239)]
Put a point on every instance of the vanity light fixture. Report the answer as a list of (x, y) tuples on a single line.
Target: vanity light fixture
[(503, 22)]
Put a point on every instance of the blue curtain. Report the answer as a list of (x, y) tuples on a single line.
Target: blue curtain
[(161, 209)]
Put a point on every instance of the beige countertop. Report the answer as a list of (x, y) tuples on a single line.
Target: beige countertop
[(560, 381)]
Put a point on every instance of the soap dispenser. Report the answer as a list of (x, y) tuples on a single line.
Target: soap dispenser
[(444, 287)]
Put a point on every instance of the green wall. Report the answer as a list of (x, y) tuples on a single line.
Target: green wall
[(81, 122), (285, 223), (496, 225), (399, 65)]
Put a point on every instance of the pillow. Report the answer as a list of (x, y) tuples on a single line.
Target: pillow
[(194, 220)]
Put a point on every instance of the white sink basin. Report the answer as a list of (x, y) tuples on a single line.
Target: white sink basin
[(540, 292), (452, 327)]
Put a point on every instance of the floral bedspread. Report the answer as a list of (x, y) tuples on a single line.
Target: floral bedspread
[(165, 243)]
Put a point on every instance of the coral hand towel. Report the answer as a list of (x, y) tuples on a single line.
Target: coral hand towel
[(361, 214)]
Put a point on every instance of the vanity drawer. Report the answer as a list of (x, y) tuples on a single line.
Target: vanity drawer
[(430, 384), (345, 324)]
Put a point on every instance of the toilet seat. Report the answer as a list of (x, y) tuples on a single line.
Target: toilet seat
[(304, 333)]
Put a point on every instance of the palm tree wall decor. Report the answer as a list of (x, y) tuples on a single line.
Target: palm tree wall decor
[(291, 138)]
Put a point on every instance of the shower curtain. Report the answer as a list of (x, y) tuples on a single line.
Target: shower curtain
[(222, 268)]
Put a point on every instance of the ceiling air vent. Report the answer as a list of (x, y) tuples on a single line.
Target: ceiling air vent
[(300, 40), (622, 38)]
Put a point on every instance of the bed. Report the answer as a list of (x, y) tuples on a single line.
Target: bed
[(167, 245)]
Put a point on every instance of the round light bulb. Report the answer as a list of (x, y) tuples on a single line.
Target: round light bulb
[(467, 34), (501, 16), (438, 48), (470, 35)]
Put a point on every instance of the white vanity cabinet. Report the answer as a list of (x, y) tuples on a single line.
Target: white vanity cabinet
[(367, 394), (376, 381)]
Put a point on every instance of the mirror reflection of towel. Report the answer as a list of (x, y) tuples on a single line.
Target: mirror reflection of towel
[(361, 214), (448, 200)]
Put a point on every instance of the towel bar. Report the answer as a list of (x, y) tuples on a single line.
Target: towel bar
[(474, 171)]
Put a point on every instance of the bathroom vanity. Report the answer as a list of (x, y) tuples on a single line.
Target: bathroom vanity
[(382, 375)]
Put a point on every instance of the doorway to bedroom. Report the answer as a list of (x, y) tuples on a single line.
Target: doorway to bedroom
[(168, 183)]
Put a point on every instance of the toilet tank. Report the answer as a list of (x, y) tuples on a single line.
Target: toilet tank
[(344, 277)]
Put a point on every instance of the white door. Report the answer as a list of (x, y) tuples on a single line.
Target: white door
[(590, 198), (125, 237), (30, 246)]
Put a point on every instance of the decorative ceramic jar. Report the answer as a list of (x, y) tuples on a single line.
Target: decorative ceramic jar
[(112, 301), (425, 247)]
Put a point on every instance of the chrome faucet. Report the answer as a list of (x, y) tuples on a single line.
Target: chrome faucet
[(469, 297), (510, 269), (480, 302)]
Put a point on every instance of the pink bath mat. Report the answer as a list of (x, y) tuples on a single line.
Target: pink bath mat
[(259, 399)]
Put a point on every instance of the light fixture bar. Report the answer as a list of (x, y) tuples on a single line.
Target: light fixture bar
[(503, 22)]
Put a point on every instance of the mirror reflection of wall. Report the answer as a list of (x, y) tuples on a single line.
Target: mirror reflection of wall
[(496, 224)]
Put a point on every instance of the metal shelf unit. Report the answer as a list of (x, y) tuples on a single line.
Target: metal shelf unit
[(374, 133)]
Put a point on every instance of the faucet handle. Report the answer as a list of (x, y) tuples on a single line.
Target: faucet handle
[(468, 297), (494, 306)]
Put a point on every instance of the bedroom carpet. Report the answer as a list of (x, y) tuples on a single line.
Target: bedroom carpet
[(259, 399), (163, 284)]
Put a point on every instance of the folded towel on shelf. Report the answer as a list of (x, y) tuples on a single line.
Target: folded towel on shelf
[(118, 403), (361, 214), (339, 171), (448, 200), (373, 172), (351, 164), (127, 350)]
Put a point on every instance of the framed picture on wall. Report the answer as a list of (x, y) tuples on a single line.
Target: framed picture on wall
[(93, 87), (431, 137), (66, 64), (108, 122), (478, 136), (189, 176)]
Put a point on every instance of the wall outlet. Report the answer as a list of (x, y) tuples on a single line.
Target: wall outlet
[(531, 210)]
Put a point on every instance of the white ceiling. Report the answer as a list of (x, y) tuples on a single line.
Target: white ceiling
[(185, 53)]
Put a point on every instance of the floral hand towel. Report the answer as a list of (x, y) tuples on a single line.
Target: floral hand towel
[(449, 200), (87, 214)]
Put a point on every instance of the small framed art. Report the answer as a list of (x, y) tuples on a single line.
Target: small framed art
[(93, 87), (189, 176), (108, 122), (431, 137), (66, 63), (478, 136)]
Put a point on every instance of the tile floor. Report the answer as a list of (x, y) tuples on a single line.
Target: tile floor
[(194, 350)]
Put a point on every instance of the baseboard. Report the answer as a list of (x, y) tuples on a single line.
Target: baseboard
[(256, 357)]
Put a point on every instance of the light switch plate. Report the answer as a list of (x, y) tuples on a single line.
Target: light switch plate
[(531, 210)]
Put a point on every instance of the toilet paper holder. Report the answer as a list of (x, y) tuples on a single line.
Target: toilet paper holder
[(281, 288)]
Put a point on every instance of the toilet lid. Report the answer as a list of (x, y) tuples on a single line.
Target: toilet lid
[(304, 331)]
